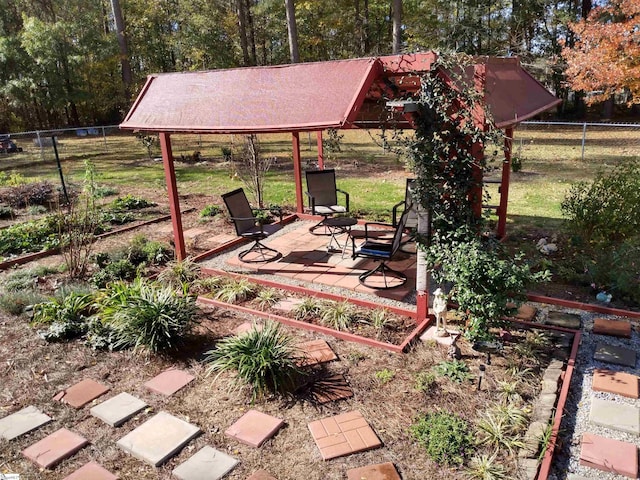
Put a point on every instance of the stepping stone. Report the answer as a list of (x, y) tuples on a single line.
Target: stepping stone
[(616, 328), (620, 383), (207, 464), (261, 475), (563, 319), (247, 327), (343, 434), (118, 409), (616, 416), (91, 471), (609, 455), (82, 393), (254, 428), (288, 304), (169, 381), (158, 439), (329, 389), (381, 471), (21, 422), (54, 448), (617, 355), (315, 352)]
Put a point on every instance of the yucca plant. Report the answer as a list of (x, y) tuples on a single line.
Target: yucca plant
[(235, 291), (208, 285), (496, 432), (338, 315), (309, 307), (378, 318), (267, 297), (266, 360), (146, 316), (485, 467), (508, 391), (516, 417)]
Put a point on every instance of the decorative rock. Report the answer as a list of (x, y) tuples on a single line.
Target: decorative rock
[(619, 383), (169, 382), (528, 468), (91, 471), (254, 428), (54, 448), (622, 417), (207, 464), (82, 393), (563, 319), (609, 455), (616, 328), (21, 422), (617, 355), (381, 471), (158, 439), (118, 409)]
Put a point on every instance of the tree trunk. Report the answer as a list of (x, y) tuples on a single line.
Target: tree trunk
[(242, 27), (365, 29), (397, 26), (127, 78), (292, 28), (607, 109), (252, 38)]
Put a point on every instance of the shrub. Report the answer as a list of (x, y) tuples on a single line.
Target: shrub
[(425, 382), (210, 211), (114, 271), (445, 436), (66, 318), (130, 202), (338, 315), (6, 212), (145, 315), (616, 269), (455, 370), (30, 236), (19, 301), (265, 360), (24, 195), (144, 251)]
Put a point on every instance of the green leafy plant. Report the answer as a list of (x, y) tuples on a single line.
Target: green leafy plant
[(309, 307), (149, 252), (102, 191), (66, 318), (486, 467), (19, 301), (210, 211), (114, 271), (338, 315), (235, 291), (130, 202), (179, 274), (512, 415), (6, 212), (267, 297), (384, 376), (26, 279), (545, 440), (445, 437), (30, 236), (455, 370), (425, 381), (264, 359), (497, 432)]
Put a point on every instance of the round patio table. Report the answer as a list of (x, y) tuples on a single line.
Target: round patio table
[(338, 226)]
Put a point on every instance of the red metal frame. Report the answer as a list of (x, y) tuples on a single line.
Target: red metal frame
[(174, 201), (320, 151), (297, 170)]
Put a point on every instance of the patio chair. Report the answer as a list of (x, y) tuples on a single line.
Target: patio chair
[(407, 204), (382, 251), (251, 227), (323, 195)]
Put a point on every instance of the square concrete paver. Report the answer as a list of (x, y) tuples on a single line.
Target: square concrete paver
[(616, 416), (118, 409), (616, 355), (315, 352), (254, 428), (207, 464), (54, 448), (381, 471), (82, 393), (616, 328), (619, 383), (564, 319), (343, 434), (91, 471), (261, 475), (158, 439), (609, 455), (169, 381), (21, 422)]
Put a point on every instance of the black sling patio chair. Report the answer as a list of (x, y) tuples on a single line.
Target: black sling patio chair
[(382, 251), (251, 227), (322, 193), (407, 204)]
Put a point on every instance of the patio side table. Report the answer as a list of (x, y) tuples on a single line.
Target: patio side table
[(339, 226)]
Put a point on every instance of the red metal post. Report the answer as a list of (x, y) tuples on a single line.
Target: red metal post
[(504, 185), (174, 202), (422, 306), (320, 151), (476, 191), (297, 171)]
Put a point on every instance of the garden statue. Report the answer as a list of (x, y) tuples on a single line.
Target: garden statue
[(454, 352), (440, 309)]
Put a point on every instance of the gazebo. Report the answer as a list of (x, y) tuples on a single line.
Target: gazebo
[(312, 97)]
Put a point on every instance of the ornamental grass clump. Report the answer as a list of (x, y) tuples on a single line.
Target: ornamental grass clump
[(338, 315), (264, 360)]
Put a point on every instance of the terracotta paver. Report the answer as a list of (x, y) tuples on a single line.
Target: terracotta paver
[(54, 448), (21, 422), (169, 382), (261, 475), (288, 304), (343, 434), (247, 327), (381, 471), (118, 409), (82, 393), (619, 383), (609, 455), (315, 352), (616, 328), (254, 428), (616, 355), (158, 439), (91, 471), (329, 389), (207, 464), (526, 312)]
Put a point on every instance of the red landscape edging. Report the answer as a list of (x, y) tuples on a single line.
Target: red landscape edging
[(589, 307)]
